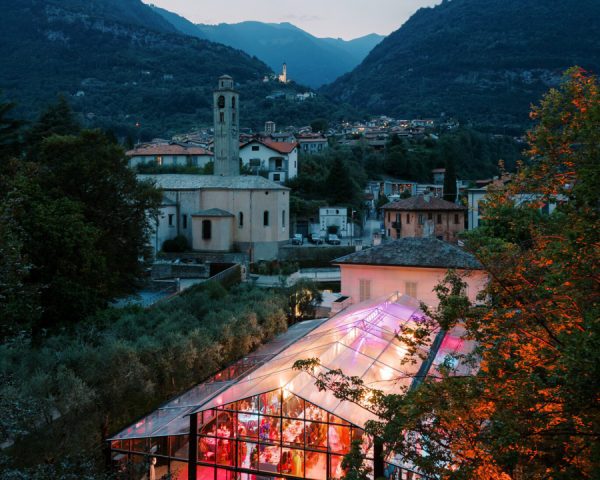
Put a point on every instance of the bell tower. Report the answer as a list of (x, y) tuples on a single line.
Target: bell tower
[(226, 122)]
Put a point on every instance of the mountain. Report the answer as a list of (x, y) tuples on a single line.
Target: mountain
[(181, 24), (484, 61), (310, 60), (119, 64)]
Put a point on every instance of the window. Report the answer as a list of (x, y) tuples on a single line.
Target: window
[(159, 161), (221, 102), (255, 148), (364, 289), (171, 218), (206, 229), (439, 219), (456, 219), (255, 162), (421, 219), (398, 217), (233, 117), (184, 221), (276, 177), (241, 219), (388, 216), (407, 218), (222, 117), (430, 216), (266, 218), (283, 219), (232, 102), (410, 288)]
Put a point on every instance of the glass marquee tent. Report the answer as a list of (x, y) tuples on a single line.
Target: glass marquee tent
[(262, 419)]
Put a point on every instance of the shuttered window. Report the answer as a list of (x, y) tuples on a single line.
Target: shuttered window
[(410, 288), (365, 289)]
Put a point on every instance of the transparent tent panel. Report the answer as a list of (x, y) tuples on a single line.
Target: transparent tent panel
[(361, 341), (151, 424)]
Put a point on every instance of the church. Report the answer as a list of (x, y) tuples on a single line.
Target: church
[(224, 212)]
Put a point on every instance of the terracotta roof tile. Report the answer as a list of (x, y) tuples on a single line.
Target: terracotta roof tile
[(164, 149), (419, 203)]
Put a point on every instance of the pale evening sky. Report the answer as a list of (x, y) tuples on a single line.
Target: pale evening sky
[(323, 18)]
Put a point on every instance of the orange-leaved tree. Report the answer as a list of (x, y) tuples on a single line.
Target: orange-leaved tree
[(530, 409)]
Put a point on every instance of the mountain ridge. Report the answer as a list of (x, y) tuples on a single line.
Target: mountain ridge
[(311, 60), (484, 61), (136, 80)]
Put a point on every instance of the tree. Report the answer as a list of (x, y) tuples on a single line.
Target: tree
[(10, 129), (57, 119), (343, 190), (73, 220), (352, 464), (319, 125), (529, 409), (450, 190), (304, 297)]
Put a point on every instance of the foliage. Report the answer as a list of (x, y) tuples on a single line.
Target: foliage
[(274, 267), (475, 60), (450, 190), (66, 394), (352, 463), (339, 175), (74, 223), (304, 297), (528, 409), (10, 129), (176, 245)]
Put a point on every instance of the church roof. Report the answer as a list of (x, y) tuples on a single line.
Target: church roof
[(164, 149), (212, 212), (198, 182), (413, 252)]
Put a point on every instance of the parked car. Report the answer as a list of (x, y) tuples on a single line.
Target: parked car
[(333, 239), (297, 239), (316, 239)]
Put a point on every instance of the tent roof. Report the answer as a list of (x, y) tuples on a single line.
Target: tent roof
[(362, 341)]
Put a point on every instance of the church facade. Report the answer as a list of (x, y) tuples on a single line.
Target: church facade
[(224, 212)]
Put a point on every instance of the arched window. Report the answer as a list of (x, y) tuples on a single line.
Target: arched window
[(241, 219), (206, 229), (266, 218), (283, 219), (232, 102), (221, 102)]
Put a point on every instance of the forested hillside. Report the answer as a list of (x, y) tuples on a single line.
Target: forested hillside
[(120, 64), (484, 61)]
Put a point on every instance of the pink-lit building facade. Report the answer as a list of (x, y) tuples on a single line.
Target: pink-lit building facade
[(411, 266), (263, 419)]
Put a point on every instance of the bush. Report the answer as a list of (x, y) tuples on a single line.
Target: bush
[(122, 363), (176, 245)]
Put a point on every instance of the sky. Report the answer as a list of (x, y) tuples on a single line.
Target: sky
[(323, 18)]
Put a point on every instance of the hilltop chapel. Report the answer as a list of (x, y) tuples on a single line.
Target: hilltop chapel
[(224, 212)]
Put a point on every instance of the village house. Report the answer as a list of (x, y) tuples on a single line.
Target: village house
[(169, 155), (336, 217), (279, 160), (312, 143), (411, 266), (424, 216)]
